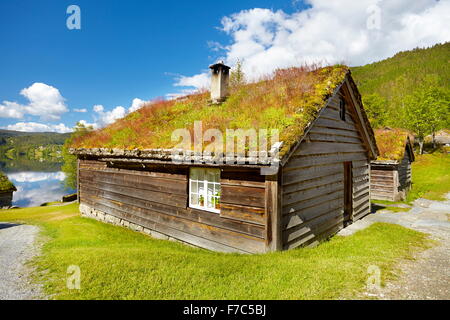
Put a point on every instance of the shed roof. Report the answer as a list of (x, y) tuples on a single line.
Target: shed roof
[(6, 184), (289, 101), (392, 144)]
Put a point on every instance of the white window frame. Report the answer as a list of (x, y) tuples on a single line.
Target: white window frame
[(204, 183)]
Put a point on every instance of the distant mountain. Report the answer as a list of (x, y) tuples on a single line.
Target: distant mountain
[(389, 81), (41, 138), (380, 77), (31, 145), (13, 133)]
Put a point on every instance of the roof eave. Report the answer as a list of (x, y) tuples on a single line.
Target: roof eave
[(174, 156)]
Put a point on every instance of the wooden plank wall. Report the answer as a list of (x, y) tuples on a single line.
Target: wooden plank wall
[(313, 179), (404, 172), (157, 199), (391, 182)]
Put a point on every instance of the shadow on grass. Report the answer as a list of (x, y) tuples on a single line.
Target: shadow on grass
[(376, 207)]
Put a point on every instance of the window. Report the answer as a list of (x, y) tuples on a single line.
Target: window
[(342, 109), (204, 189)]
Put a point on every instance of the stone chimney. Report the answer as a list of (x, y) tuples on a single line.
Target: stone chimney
[(220, 77)]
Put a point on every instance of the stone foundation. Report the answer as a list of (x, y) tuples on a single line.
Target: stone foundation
[(90, 212)]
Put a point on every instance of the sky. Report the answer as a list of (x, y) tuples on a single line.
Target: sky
[(103, 59)]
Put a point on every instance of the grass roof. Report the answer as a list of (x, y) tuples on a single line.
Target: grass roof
[(391, 143), (5, 184), (288, 101)]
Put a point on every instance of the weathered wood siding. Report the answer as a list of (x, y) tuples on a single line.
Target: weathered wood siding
[(383, 181), (157, 199), (391, 181), (404, 172), (313, 179)]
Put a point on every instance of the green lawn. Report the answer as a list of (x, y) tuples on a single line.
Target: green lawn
[(117, 263), (430, 177)]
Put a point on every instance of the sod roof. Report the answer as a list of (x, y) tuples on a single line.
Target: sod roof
[(288, 101), (392, 143), (5, 184)]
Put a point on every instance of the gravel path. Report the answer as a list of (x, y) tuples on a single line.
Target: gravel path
[(17, 246), (428, 276)]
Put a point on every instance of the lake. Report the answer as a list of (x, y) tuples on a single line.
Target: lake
[(36, 183)]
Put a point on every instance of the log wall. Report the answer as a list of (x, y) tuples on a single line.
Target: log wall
[(404, 172), (157, 199), (383, 182), (313, 179), (391, 181)]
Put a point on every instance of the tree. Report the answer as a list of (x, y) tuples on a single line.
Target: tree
[(376, 109), (427, 109), (70, 161), (237, 76)]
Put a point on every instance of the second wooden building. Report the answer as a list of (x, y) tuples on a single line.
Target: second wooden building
[(390, 174)]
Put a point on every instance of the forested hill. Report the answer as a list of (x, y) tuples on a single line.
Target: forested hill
[(31, 145), (380, 77), (390, 87), (32, 138)]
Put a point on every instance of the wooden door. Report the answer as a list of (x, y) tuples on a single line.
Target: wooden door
[(348, 193)]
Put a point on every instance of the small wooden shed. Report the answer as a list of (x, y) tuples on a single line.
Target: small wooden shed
[(7, 189), (314, 182), (390, 174)]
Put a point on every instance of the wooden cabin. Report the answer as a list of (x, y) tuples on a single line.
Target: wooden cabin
[(6, 191), (390, 174), (314, 182)]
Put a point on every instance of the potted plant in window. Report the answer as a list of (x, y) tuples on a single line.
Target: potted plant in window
[(201, 201), (216, 200)]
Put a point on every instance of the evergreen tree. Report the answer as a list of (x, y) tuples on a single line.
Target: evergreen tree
[(237, 76)]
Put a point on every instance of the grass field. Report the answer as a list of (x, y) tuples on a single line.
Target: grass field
[(430, 176), (117, 263)]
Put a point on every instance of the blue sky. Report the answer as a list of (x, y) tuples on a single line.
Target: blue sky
[(143, 49)]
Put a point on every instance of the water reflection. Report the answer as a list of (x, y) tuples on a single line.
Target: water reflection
[(35, 188)]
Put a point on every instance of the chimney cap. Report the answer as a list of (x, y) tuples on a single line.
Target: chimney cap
[(219, 64)]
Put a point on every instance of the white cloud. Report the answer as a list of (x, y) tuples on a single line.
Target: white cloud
[(136, 104), (10, 109), (192, 84), (88, 124), (45, 102), (103, 118), (353, 32), (198, 81), (84, 110), (182, 93), (29, 176), (38, 127)]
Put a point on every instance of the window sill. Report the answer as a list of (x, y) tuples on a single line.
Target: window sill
[(205, 209)]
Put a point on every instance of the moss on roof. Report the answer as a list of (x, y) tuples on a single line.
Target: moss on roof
[(5, 184), (391, 143), (287, 101)]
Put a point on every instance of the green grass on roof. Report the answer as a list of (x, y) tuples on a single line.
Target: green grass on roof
[(391, 143), (288, 101), (5, 184)]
